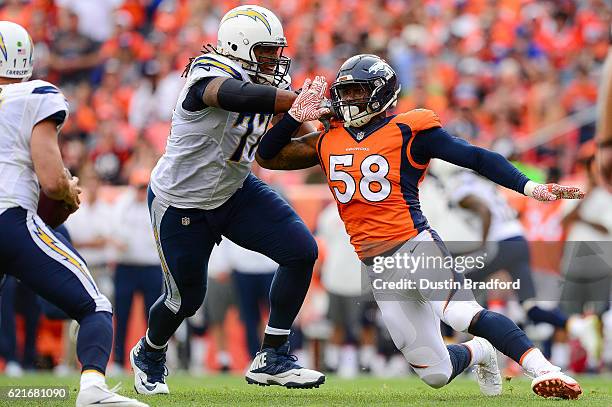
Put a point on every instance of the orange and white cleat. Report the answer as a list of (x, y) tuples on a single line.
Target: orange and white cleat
[(556, 384)]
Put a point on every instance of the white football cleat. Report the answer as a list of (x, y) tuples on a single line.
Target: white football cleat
[(487, 371), (556, 384), (278, 367), (101, 395)]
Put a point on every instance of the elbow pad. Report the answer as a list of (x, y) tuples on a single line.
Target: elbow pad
[(240, 96)]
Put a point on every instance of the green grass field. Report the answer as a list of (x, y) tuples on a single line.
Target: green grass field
[(363, 391)]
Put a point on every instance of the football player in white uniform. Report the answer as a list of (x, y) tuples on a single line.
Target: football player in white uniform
[(502, 234), (202, 188), (31, 115)]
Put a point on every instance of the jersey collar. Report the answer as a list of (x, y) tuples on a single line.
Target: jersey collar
[(361, 133)]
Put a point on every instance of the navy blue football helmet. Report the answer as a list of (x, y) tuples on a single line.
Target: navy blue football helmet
[(365, 86)]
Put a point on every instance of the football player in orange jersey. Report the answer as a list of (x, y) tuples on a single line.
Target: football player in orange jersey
[(374, 164)]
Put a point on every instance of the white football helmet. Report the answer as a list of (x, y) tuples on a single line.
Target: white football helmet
[(245, 27), (16, 51)]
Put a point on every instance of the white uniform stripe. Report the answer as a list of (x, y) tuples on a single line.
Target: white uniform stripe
[(276, 331), (54, 248), (173, 296)]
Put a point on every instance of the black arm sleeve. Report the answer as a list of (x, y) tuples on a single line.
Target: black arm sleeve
[(194, 101), (58, 117), (247, 97), (233, 95), (437, 143), (277, 137)]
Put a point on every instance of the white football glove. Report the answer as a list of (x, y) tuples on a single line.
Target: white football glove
[(309, 105), (552, 192)]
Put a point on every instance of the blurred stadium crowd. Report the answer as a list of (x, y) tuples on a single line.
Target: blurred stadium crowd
[(496, 72)]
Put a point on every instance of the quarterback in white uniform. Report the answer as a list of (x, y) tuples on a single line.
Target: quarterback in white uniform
[(31, 115), (202, 188)]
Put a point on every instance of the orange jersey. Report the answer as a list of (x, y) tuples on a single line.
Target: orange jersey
[(375, 180)]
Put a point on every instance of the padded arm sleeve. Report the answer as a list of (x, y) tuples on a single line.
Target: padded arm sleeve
[(437, 143)]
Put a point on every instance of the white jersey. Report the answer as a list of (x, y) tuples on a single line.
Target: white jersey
[(504, 222), (209, 152), (22, 106)]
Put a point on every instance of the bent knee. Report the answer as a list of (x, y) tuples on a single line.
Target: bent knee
[(188, 309), (303, 252), (458, 314), (435, 380), (309, 251), (432, 365), (188, 303)]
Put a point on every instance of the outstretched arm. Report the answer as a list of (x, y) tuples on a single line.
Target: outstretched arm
[(237, 96), (298, 154), (277, 149), (437, 143)]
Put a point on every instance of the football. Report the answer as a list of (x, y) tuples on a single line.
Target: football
[(51, 211)]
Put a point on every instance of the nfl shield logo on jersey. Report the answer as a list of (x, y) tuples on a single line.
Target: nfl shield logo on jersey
[(185, 221), (360, 135)]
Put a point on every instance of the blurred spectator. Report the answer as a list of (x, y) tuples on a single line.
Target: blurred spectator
[(110, 152), (219, 298), (138, 269), (463, 124), (253, 275), (155, 97), (89, 228), (15, 298), (342, 278), (587, 271), (16, 11), (73, 55), (95, 16)]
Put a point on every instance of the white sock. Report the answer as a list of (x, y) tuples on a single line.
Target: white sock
[(199, 349), (366, 354), (224, 358), (332, 356), (91, 378), (560, 354), (477, 350), (151, 344), (536, 364), (348, 366)]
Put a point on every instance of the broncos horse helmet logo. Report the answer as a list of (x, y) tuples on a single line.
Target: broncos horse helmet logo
[(254, 14)]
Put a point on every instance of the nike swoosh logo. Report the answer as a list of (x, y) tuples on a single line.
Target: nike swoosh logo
[(148, 386), (414, 248)]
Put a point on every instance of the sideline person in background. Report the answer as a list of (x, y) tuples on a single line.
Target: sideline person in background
[(138, 267)]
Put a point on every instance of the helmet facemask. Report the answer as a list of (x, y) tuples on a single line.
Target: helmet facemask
[(268, 65), (356, 102)]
